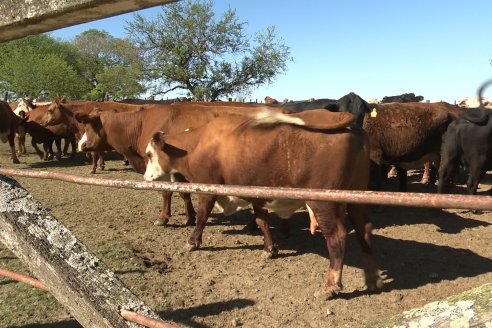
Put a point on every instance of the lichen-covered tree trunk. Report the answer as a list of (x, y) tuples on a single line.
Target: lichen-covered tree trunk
[(469, 309), (77, 279)]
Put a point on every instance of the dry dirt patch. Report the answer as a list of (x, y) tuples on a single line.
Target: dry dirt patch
[(427, 254)]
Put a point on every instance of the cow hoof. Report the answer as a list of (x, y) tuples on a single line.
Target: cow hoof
[(92, 171), (160, 222), (330, 292), (477, 212), (374, 284), (15, 161), (190, 222), (192, 247)]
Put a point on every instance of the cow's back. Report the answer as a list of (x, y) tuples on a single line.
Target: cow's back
[(406, 132), (284, 156)]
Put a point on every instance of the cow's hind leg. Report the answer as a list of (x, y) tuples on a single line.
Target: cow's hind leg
[(330, 218), (363, 230), (270, 249), (189, 210), (205, 205)]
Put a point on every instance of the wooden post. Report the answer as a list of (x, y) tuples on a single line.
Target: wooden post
[(75, 277), (21, 18)]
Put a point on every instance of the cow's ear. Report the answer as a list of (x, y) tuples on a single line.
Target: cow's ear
[(157, 139), (84, 117), (63, 100)]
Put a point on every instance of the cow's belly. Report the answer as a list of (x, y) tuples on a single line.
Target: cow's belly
[(416, 164), (283, 208)]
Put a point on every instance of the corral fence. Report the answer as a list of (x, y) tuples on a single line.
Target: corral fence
[(91, 292)]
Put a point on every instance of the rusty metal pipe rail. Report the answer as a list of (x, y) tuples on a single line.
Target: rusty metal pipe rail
[(475, 202), (128, 315)]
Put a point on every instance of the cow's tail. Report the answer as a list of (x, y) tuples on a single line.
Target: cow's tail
[(481, 90), (269, 117)]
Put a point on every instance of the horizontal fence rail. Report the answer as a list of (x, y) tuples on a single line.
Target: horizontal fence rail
[(474, 202)]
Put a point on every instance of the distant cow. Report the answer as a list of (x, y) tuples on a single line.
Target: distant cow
[(406, 97), (407, 135), (474, 102), (300, 150), (469, 140), (8, 126), (21, 109)]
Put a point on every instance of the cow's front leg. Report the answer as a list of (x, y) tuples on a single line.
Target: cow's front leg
[(15, 160), (262, 220), (166, 209), (205, 205)]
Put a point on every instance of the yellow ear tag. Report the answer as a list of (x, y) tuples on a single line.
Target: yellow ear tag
[(374, 113)]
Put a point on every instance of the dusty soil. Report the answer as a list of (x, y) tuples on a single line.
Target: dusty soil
[(426, 254)]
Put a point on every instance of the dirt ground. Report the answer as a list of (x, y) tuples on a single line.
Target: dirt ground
[(426, 254)]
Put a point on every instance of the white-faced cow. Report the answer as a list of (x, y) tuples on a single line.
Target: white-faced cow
[(314, 149)]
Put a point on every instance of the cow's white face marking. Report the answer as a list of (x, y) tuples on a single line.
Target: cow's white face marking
[(154, 170), (82, 141)]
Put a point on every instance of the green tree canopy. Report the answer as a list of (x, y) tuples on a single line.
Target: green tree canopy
[(40, 66), (111, 65), (186, 47)]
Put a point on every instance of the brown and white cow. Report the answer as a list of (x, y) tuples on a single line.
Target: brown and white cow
[(130, 132), (8, 126), (62, 114), (314, 149)]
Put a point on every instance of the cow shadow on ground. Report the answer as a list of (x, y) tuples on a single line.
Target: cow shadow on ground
[(447, 222), (183, 315), (398, 258)]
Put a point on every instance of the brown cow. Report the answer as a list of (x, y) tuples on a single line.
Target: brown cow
[(46, 134), (407, 135), (313, 149), (129, 133), (62, 113), (8, 126)]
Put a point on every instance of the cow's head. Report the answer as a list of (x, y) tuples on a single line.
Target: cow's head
[(94, 138), (160, 158), (355, 105), (54, 113)]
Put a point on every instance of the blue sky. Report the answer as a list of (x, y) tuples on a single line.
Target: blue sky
[(439, 49)]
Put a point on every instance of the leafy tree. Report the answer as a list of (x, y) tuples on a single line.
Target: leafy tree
[(40, 66), (187, 48), (111, 65)]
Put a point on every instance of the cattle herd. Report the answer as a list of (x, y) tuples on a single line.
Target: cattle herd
[(345, 144)]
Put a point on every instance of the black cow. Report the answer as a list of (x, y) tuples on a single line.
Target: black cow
[(468, 140), (350, 103)]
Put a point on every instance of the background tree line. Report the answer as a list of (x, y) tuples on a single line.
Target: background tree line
[(186, 48)]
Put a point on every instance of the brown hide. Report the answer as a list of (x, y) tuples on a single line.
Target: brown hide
[(286, 155), (8, 126), (408, 134), (231, 150)]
